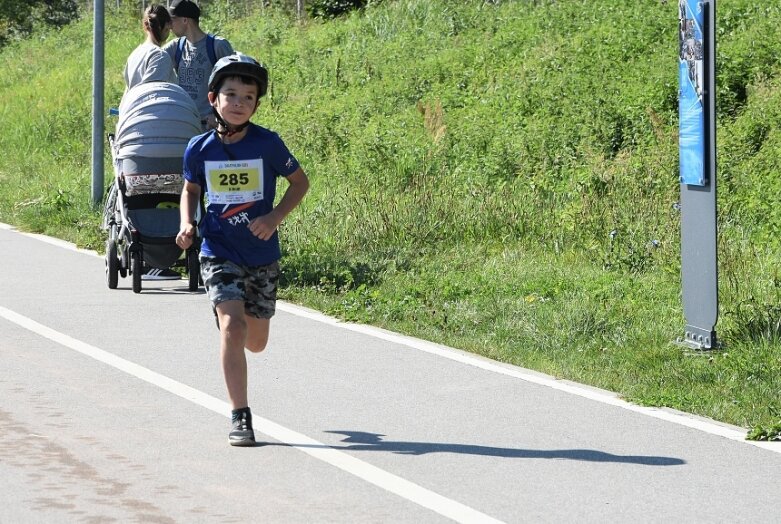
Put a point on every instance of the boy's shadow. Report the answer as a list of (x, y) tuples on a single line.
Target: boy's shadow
[(363, 441)]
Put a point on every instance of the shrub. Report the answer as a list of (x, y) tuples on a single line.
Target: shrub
[(18, 19), (333, 8)]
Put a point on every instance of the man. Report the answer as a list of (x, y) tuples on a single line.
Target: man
[(194, 54)]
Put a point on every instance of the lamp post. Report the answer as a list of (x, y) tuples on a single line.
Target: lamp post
[(97, 102)]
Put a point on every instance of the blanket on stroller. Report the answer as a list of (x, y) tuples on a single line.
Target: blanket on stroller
[(156, 120)]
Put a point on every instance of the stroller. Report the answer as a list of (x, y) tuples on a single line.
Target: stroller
[(141, 212)]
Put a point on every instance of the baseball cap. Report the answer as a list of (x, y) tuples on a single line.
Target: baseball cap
[(185, 9)]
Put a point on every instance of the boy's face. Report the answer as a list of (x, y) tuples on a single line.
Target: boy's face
[(236, 101)]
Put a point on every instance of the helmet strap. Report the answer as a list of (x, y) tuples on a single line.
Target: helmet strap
[(224, 128)]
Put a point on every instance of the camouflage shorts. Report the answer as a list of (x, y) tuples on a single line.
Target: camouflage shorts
[(255, 285)]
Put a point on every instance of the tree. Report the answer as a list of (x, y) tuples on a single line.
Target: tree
[(19, 17)]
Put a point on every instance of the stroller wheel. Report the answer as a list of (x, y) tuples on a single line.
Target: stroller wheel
[(124, 262), (193, 269), (112, 264), (136, 269)]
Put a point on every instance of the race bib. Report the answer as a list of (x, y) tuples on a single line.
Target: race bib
[(234, 182)]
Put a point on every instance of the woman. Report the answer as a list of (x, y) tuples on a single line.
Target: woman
[(149, 63)]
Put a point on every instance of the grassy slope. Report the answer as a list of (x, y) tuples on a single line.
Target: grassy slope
[(470, 162)]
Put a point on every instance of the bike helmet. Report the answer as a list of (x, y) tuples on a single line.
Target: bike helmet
[(239, 65)]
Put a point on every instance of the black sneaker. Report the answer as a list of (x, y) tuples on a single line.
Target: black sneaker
[(242, 433), (152, 273)]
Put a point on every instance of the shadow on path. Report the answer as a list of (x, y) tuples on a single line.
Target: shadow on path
[(363, 441)]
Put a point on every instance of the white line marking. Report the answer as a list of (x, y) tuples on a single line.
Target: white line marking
[(388, 481), (51, 240), (605, 397)]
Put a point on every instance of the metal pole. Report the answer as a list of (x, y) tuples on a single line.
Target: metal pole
[(699, 257), (97, 103)]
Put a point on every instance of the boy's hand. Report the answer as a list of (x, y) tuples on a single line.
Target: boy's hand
[(263, 227), (184, 239)]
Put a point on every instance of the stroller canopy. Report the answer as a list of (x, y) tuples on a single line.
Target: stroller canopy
[(156, 120)]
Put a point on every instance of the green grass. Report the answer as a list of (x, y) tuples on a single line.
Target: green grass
[(498, 177)]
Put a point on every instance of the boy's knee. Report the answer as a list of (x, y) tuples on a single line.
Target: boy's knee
[(257, 334), (233, 326), (257, 343), (256, 347)]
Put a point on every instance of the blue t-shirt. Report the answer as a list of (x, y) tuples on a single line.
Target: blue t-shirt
[(238, 182)]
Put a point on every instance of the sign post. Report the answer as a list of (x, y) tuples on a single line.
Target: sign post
[(97, 103), (697, 142)]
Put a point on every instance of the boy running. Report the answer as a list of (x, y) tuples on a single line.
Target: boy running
[(237, 165)]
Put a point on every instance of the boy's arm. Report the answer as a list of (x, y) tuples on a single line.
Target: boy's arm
[(263, 227), (188, 203)]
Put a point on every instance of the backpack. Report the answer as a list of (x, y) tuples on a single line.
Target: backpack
[(209, 50)]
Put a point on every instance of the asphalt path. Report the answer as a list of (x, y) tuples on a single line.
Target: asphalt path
[(113, 409)]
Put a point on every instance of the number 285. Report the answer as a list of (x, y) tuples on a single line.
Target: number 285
[(234, 179)]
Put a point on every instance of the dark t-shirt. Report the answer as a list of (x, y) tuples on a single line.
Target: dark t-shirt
[(239, 184)]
